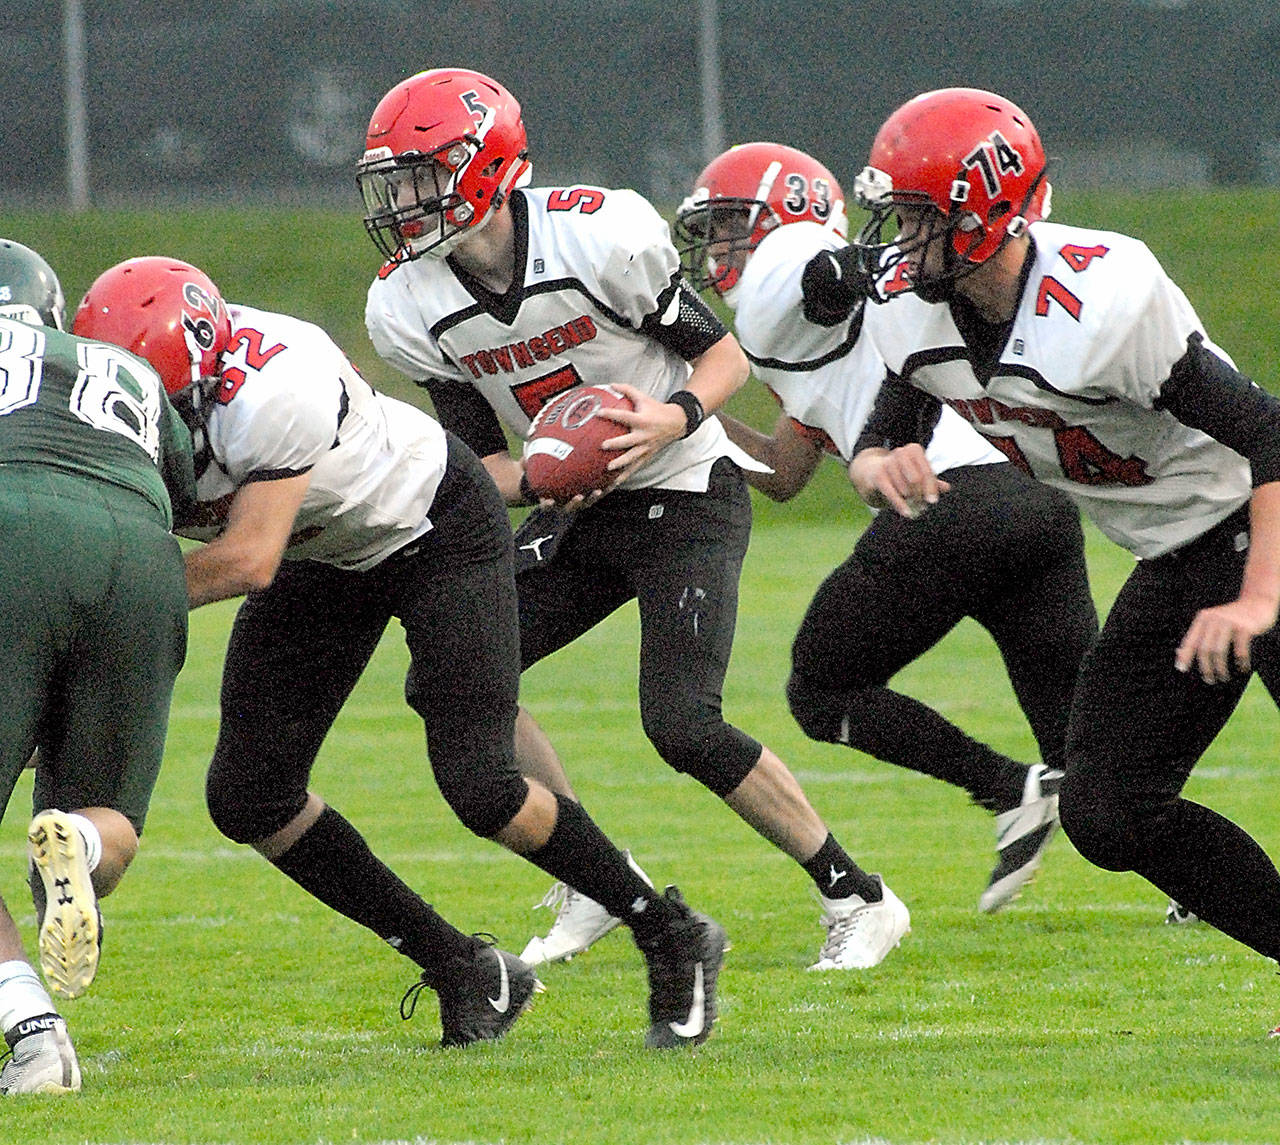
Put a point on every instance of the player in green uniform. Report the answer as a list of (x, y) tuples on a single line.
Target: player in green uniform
[(93, 628)]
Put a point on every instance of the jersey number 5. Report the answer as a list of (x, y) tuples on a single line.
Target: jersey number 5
[(581, 198)]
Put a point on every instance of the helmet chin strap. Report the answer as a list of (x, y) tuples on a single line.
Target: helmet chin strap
[(444, 247), (449, 243)]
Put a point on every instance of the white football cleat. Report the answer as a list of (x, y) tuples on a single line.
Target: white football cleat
[(579, 922), (70, 925), (43, 1061), (1176, 914), (1022, 833), (861, 934)]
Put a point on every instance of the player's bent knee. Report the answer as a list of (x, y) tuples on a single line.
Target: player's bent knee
[(1100, 829), (486, 799), (245, 813), (715, 753), (819, 712)]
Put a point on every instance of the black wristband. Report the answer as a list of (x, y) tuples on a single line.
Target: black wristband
[(527, 495), (694, 414)]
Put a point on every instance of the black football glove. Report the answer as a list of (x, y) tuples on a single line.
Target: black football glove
[(834, 285)]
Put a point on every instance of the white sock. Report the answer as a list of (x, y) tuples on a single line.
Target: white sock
[(92, 840), (22, 994)]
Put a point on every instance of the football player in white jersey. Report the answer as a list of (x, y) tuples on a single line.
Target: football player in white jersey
[(1078, 357), (336, 508), (496, 297), (1009, 552)]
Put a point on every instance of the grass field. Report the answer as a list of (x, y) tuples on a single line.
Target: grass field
[(231, 1008)]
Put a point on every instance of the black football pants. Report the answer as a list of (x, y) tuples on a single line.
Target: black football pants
[(298, 647), (1000, 548), (679, 554), (1138, 727)]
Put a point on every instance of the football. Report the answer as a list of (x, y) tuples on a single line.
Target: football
[(562, 453)]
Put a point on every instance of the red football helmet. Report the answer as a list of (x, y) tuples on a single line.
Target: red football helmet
[(973, 160), (742, 195), (163, 310), (443, 151)]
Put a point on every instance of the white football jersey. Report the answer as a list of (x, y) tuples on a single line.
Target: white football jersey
[(825, 377), (589, 268), (1071, 401), (290, 402)]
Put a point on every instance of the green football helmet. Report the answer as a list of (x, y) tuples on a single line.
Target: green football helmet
[(29, 290)]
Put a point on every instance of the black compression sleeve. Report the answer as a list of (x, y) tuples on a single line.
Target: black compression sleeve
[(1208, 394), (901, 414), (692, 330), (462, 410)]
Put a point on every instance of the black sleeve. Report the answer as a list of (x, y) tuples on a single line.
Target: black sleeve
[(692, 329), (177, 464), (462, 409), (1208, 394), (832, 286), (902, 414)]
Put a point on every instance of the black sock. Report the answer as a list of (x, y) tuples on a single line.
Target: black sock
[(333, 862), (1002, 786), (903, 731), (580, 854), (838, 876)]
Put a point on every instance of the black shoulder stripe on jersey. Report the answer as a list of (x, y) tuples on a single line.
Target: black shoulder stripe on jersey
[(841, 351), (505, 307), (275, 474), (942, 354)]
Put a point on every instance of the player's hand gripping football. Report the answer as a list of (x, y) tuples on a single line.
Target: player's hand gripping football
[(899, 479), (650, 427)]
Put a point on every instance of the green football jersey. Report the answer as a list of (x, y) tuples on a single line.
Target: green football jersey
[(92, 409)]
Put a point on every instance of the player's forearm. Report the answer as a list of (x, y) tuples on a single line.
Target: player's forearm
[(1261, 581), (506, 472), (247, 554), (791, 472), (718, 374), (219, 571)]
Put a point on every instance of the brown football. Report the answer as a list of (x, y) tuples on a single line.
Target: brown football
[(562, 453)]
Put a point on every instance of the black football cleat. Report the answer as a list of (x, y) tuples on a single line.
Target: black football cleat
[(684, 963), (480, 997), (1022, 834)]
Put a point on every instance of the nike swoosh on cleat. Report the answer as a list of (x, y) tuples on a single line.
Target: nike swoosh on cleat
[(691, 1027), (503, 1000)]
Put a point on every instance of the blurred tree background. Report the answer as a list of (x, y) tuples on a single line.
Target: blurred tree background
[(267, 101)]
